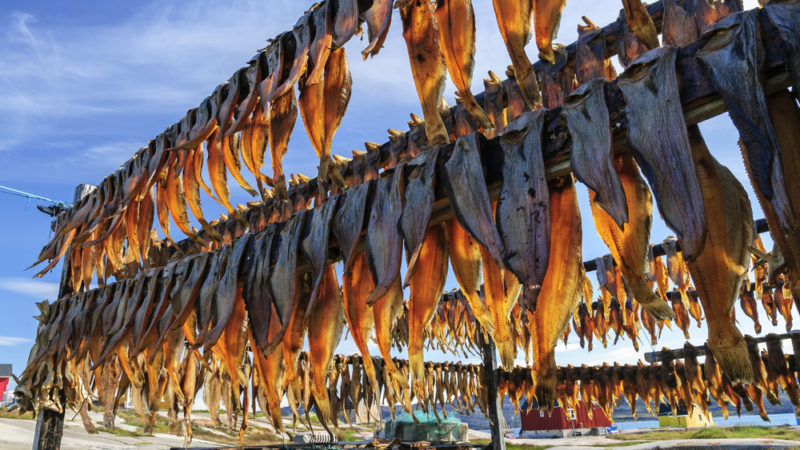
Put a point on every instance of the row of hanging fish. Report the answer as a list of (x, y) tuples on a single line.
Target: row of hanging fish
[(255, 111), (454, 328), (170, 379), (681, 384), (111, 231), (505, 244)]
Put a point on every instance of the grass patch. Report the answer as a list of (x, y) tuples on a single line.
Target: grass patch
[(777, 432), (510, 445), (351, 435), (6, 414), (619, 444), (119, 432), (133, 419), (524, 446)]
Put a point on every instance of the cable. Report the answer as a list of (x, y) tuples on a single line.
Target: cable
[(29, 196)]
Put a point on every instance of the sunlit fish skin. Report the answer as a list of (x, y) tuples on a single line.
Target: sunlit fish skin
[(456, 21), (426, 288), (378, 19), (560, 292), (421, 34), (514, 21)]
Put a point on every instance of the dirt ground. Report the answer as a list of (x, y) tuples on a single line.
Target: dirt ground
[(18, 434)]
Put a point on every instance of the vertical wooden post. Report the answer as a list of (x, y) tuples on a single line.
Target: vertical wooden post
[(795, 336), (50, 424), (490, 381)]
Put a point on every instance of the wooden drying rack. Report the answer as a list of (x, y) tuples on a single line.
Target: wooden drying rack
[(700, 102)]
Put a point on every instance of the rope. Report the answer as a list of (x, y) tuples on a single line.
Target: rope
[(29, 196)]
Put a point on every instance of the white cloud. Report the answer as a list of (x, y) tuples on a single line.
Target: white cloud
[(30, 288), (624, 355), (9, 341)]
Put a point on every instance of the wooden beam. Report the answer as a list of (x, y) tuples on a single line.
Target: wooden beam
[(679, 353), (760, 226)]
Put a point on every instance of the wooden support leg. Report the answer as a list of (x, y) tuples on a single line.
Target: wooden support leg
[(50, 424), (49, 428), (795, 336), (490, 382)]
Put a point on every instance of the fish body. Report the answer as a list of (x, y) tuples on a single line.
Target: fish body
[(514, 20), (284, 282), (732, 57), (426, 288), (523, 207), (356, 287), (591, 157), (466, 189), (325, 322), (640, 22), (560, 292), (546, 19), (590, 60), (350, 220), (679, 26), (378, 19), (421, 34), (456, 22), (465, 259), (719, 269), (629, 245), (283, 115), (418, 205), (383, 241), (659, 141)]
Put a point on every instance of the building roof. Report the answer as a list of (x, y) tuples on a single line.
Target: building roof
[(5, 370)]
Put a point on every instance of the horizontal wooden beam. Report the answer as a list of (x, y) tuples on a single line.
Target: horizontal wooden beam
[(680, 353)]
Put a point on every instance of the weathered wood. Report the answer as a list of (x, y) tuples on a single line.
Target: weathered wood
[(760, 226), (490, 381), (795, 336), (49, 429), (50, 424), (679, 353)]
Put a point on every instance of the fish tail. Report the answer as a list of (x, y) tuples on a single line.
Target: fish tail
[(507, 353), (657, 308), (731, 355)]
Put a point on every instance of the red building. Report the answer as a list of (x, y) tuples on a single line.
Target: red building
[(5, 374), (572, 422)]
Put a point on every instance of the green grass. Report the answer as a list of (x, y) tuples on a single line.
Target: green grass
[(777, 432), (509, 445), (119, 432), (350, 435), (131, 418), (620, 444), (522, 446), (6, 414)]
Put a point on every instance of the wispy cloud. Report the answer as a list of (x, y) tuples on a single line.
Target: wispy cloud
[(9, 341), (30, 288)]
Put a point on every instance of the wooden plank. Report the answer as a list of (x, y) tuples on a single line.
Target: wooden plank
[(50, 424), (759, 225), (679, 353)]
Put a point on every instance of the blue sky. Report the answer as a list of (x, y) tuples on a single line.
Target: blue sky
[(85, 84)]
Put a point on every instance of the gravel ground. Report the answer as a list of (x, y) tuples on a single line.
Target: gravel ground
[(18, 434)]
